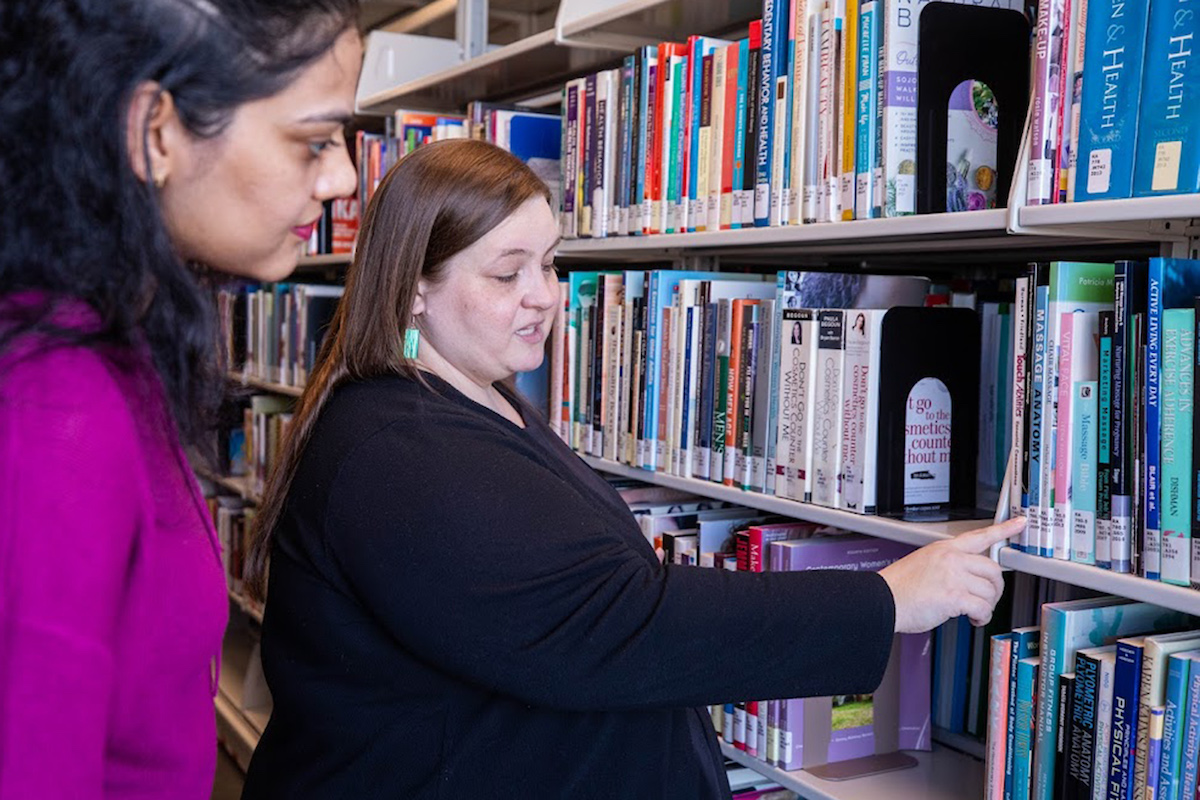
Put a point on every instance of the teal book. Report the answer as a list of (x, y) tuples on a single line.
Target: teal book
[(1170, 766), (1027, 690), (1168, 138), (1178, 338), (1084, 465), (1191, 728), (1068, 627), (1112, 83)]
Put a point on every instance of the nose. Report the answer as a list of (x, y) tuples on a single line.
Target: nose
[(337, 177), (545, 293)]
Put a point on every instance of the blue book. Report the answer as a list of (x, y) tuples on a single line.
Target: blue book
[(1178, 341), (1127, 685), (1027, 689), (866, 147), (1171, 283), (739, 130), (1129, 298), (1191, 728), (1112, 82), (1104, 445), (1154, 751), (1084, 465), (1025, 644), (772, 66), (663, 284), (1168, 139), (623, 191), (1169, 765), (704, 424), (701, 46)]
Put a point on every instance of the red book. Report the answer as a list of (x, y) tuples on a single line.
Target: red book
[(345, 224)]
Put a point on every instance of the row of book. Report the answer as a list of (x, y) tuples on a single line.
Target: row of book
[(1116, 100), (812, 117), (533, 136), (233, 518), (726, 377), (794, 733), (1099, 701), (1103, 455), (274, 331)]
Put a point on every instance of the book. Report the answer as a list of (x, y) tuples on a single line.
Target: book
[(1168, 137), (1112, 82), (1083, 473), (1129, 293), (860, 415), (1155, 651), (1178, 340), (827, 406), (1154, 749), (1191, 730), (1127, 682), (1000, 654), (1104, 457), (1029, 691), (798, 342), (1174, 712), (1068, 626), (1026, 644)]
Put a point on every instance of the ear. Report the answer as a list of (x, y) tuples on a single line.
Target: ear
[(153, 133), (418, 306)]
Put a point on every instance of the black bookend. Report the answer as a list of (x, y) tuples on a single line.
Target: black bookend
[(961, 43), (928, 413)]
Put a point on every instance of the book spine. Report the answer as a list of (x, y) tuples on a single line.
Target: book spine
[(865, 151), (733, 157), (718, 114), (590, 146), (1152, 544), (780, 124), (1084, 469), (1104, 445), (1178, 339), (772, 20), (1104, 723), (1027, 692), (1122, 511), (1083, 728), (1154, 750), (1038, 433), (1074, 97), (771, 458), (1195, 473), (648, 122), (701, 468), (1168, 134), (1126, 700), (1025, 643), (720, 393), (1044, 121), (1018, 492), (1173, 708), (827, 404), (1063, 446), (1067, 736), (997, 718), (849, 74), (1191, 737), (899, 107)]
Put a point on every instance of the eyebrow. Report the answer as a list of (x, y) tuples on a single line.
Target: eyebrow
[(340, 117), (524, 251)]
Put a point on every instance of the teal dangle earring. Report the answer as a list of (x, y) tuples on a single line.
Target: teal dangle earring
[(412, 340)]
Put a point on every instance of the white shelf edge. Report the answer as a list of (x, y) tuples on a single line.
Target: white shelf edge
[(1180, 598), (324, 260), (992, 222), (235, 731), (912, 533), (249, 608), (239, 485), (545, 38), (941, 775), (1101, 212), (265, 385)]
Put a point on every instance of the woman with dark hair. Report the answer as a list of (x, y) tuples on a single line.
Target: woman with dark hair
[(146, 143), (459, 607)]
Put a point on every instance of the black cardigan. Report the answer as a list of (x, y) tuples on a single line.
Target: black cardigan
[(461, 608)]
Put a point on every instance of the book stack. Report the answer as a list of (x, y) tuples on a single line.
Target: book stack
[(1103, 453), (1100, 701), (274, 332), (1116, 105)]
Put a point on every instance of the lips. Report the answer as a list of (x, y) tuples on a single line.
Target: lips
[(305, 231), (531, 333)]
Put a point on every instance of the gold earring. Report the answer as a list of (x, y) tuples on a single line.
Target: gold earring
[(160, 180)]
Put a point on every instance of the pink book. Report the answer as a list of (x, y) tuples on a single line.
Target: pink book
[(1060, 535), (997, 739)]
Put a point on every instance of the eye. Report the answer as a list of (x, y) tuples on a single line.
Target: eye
[(550, 268), (508, 278), (319, 147)]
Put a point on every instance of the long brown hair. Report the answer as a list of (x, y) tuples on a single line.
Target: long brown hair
[(434, 203)]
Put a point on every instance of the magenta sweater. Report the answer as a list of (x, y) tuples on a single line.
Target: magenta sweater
[(112, 599)]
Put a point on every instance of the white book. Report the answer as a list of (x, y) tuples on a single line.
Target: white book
[(798, 26), (764, 348), (1077, 361), (1107, 656), (860, 403), (712, 190), (827, 440), (614, 321), (810, 192), (798, 356)]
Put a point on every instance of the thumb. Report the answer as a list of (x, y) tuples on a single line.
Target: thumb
[(981, 540)]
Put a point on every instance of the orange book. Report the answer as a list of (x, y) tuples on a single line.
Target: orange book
[(665, 51), (729, 135)]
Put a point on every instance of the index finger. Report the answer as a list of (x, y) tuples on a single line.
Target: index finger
[(981, 540)]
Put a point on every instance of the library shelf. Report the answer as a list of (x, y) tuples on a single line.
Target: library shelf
[(1172, 214), (913, 533), (250, 608), (943, 774), (267, 386), (324, 260), (238, 727), (587, 36), (1181, 598), (238, 484)]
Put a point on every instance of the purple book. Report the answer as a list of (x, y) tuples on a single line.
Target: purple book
[(824, 730)]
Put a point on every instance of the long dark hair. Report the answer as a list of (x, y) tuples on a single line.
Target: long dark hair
[(77, 223), (435, 202)]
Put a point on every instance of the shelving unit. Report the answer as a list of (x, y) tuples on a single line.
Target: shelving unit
[(943, 774), (239, 485), (239, 727), (265, 385), (914, 533)]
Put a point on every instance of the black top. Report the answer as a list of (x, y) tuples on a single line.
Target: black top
[(461, 608)]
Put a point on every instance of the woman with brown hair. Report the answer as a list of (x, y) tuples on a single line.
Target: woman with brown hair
[(458, 606)]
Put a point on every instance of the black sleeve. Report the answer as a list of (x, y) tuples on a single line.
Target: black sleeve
[(480, 560)]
